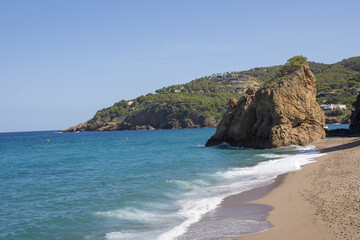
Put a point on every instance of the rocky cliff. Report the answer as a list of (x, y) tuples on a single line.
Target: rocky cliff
[(285, 113), (355, 117), (145, 121)]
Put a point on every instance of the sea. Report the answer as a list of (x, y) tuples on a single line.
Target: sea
[(129, 184)]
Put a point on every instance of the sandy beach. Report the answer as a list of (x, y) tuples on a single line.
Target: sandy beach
[(320, 201)]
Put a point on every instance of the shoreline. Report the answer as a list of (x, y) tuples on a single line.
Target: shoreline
[(237, 215), (315, 201)]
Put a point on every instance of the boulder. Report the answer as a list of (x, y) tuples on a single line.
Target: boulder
[(284, 114), (355, 117)]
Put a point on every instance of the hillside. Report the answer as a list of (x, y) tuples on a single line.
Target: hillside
[(202, 102)]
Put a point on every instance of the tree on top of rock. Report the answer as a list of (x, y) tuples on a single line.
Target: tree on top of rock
[(292, 65)]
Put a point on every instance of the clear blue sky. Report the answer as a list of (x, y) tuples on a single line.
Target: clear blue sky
[(62, 60)]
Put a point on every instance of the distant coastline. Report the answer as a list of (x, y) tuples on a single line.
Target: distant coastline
[(202, 102)]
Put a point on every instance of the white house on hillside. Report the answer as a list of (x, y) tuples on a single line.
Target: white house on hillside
[(333, 106)]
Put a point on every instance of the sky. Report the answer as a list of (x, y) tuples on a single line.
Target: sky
[(62, 60)]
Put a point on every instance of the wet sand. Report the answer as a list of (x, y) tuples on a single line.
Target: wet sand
[(320, 201), (235, 216)]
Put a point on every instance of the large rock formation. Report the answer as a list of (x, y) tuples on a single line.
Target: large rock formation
[(355, 117), (282, 115)]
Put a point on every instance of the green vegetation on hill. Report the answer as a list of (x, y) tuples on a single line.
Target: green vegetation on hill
[(175, 105), (317, 68), (336, 76), (344, 96), (352, 63), (262, 73), (208, 96), (204, 85), (338, 83)]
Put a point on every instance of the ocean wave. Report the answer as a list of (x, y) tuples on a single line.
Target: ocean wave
[(226, 145), (195, 198), (279, 163), (270, 155), (192, 211), (237, 180), (182, 184), (126, 236), (188, 185), (305, 148), (130, 213), (118, 235)]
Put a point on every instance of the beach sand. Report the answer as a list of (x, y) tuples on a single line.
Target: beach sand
[(320, 201)]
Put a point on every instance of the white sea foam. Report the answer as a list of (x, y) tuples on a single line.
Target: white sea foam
[(304, 148), (191, 212), (270, 169), (199, 196), (130, 213), (125, 236), (184, 185), (270, 155), (201, 182), (237, 180), (118, 235)]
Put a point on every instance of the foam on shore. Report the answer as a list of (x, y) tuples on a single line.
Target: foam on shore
[(206, 193)]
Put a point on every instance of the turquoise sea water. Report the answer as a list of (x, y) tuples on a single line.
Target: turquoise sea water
[(125, 184), (338, 126)]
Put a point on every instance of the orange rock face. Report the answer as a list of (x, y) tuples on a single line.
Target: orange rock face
[(286, 114)]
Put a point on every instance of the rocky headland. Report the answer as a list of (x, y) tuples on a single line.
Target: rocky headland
[(145, 121), (281, 113)]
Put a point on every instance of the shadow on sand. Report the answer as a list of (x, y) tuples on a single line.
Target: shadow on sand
[(354, 143)]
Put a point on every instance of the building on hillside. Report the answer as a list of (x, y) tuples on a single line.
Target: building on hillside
[(235, 75), (219, 81), (244, 76), (332, 107), (326, 107), (328, 94), (339, 106), (324, 94), (320, 93)]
